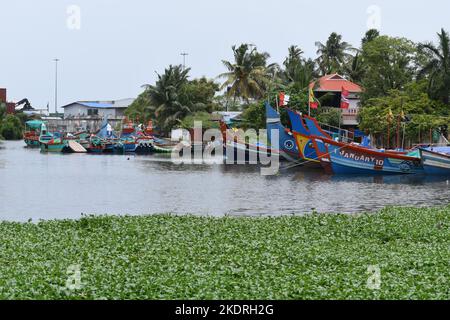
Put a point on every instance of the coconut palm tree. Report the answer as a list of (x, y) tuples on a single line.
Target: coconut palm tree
[(437, 68), (332, 54), (163, 97), (353, 68), (298, 72), (248, 75), (293, 59)]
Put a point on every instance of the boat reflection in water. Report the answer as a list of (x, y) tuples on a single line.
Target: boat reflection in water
[(417, 179)]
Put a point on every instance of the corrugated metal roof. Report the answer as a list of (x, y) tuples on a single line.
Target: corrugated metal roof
[(101, 105), (124, 103)]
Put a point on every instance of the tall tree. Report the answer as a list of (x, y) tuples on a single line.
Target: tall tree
[(298, 72), (248, 75), (353, 68), (389, 63), (370, 35), (164, 97), (332, 54), (293, 59), (437, 67)]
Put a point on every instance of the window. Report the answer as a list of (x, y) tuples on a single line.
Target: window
[(92, 112)]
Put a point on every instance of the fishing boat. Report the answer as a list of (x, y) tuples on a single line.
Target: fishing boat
[(286, 139), (435, 160), (128, 128), (51, 142), (348, 158), (248, 153), (32, 133), (303, 140), (129, 143), (236, 150), (338, 157), (105, 141), (161, 145), (96, 145)]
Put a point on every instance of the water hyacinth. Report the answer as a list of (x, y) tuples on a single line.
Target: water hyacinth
[(186, 257)]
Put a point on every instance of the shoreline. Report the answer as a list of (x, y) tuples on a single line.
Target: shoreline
[(317, 256)]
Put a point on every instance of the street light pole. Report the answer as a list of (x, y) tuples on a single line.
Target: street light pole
[(56, 84), (184, 54)]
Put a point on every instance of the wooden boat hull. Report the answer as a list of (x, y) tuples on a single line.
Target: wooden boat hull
[(129, 147), (163, 149), (31, 139), (32, 143), (95, 149), (246, 153), (144, 145), (435, 163), (342, 158), (287, 145), (45, 147)]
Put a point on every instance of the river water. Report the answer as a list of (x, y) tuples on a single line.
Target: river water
[(38, 186)]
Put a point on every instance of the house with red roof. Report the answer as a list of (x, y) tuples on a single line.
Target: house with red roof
[(329, 89)]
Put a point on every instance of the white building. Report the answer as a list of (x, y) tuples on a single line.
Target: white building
[(97, 109)]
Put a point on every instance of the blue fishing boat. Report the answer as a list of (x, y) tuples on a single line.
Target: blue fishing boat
[(436, 161), (303, 137), (347, 158), (129, 143), (51, 142), (105, 141), (286, 141)]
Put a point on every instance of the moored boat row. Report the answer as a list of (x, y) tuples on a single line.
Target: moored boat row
[(337, 157), (305, 143)]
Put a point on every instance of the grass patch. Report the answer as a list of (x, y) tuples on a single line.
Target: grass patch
[(171, 257)]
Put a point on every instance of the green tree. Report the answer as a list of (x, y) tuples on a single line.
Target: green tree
[(204, 117), (2, 110), (437, 67), (254, 116), (11, 128), (331, 117), (370, 35), (162, 101), (248, 76), (332, 54), (353, 68), (199, 94), (389, 63), (172, 98), (298, 72), (413, 102)]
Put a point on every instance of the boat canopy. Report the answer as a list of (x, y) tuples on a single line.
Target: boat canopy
[(444, 150), (34, 124)]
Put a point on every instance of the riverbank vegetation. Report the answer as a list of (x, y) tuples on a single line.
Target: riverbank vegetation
[(11, 126), (398, 253), (401, 80)]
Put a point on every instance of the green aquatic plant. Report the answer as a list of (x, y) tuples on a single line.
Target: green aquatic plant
[(186, 257)]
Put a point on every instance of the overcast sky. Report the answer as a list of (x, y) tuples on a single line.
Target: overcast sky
[(116, 46)]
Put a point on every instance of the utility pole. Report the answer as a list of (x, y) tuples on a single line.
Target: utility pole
[(56, 84), (184, 54)]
